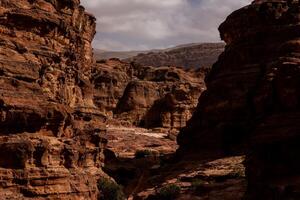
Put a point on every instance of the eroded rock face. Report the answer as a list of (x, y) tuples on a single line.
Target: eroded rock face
[(253, 95), (110, 78), (161, 97), (51, 135), (149, 97)]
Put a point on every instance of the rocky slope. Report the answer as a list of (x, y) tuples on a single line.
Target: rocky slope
[(253, 95), (194, 56), (208, 180), (51, 135)]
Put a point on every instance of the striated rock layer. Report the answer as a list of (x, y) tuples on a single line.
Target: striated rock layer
[(253, 93), (51, 135)]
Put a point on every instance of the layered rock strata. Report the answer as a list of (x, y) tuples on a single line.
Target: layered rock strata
[(253, 95), (51, 135)]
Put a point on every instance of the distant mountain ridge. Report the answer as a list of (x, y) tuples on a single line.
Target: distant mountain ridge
[(102, 54), (193, 55)]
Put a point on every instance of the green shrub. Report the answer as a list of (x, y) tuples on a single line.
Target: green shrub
[(109, 190), (199, 186), (169, 192), (198, 182), (144, 153)]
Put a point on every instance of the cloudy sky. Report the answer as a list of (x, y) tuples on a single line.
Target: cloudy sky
[(151, 24)]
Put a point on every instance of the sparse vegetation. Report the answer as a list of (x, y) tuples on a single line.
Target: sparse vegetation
[(198, 182), (239, 173), (145, 153), (169, 192), (199, 186), (110, 190)]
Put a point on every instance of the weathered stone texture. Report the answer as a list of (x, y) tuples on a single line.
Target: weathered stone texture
[(253, 95), (149, 97), (51, 135)]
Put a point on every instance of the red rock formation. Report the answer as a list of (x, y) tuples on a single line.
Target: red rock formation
[(253, 95), (161, 97), (51, 138), (146, 96), (110, 78), (141, 95)]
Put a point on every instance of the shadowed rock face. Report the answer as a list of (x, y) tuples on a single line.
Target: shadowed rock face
[(51, 137), (253, 93)]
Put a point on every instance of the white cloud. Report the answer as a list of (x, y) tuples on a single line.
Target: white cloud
[(148, 24)]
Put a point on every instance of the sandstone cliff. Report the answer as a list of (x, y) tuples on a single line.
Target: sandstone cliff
[(253, 95), (149, 97), (51, 136)]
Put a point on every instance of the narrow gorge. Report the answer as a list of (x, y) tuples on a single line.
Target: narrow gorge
[(162, 132)]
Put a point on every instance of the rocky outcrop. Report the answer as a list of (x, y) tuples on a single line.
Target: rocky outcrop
[(51, 135), (110, 78), (253, 95), (161, 97), (195, 56), (149, 97)]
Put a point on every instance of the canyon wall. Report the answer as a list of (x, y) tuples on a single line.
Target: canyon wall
[(239, 84), (51, 132), (252, 99)]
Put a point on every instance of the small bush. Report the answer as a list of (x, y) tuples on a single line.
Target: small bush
[(110, 190), (169, 192), (101, 61), (144, 153), (199, 186), (197, 183)]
